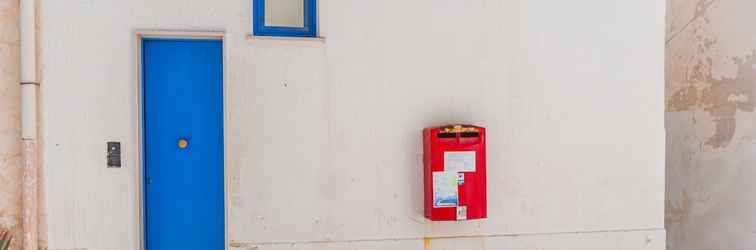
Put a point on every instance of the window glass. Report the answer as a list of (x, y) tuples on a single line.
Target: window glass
[(284, 13)]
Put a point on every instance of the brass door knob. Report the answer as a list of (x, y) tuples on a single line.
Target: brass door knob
[(183, 143)]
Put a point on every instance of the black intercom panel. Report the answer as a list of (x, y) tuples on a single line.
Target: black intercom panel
[(114, 154)]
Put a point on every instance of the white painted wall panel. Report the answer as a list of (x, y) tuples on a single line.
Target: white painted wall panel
[(624, 240), (324, 137)]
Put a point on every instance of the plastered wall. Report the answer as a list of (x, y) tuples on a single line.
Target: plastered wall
[(323, 138), (710, 95), (10, 124)]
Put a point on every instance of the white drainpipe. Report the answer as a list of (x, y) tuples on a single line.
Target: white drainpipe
[(29, 85)]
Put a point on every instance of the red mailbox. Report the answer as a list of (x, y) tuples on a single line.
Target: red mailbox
[(455, 172)]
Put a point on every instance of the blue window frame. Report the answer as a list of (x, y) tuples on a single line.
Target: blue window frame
[(308, 29)]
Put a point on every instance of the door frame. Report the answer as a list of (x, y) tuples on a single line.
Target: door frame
[(139, 36)]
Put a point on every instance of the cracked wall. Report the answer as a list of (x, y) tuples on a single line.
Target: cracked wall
[(10, 170), (711, 125)]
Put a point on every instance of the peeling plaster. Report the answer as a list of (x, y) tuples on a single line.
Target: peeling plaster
[(721, 97), (10, 169), (711, 124)]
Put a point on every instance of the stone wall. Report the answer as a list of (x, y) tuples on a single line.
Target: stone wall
[(10, 167), (711, 125)]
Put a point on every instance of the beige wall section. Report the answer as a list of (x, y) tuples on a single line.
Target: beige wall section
[(324, 137), (10, 123), (711, 93)]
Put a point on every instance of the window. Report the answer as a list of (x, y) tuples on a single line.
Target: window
[(293, 18)]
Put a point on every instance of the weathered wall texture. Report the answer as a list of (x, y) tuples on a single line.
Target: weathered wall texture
[(10, 167), (711, 124), (324, 137)]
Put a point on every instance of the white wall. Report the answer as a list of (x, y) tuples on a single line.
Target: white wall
[(324, 144)]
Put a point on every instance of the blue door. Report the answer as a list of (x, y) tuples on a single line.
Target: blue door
[(183, 144)]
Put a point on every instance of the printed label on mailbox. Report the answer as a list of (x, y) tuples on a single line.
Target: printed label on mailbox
[(463, 161), (462, 213), (445, 189)]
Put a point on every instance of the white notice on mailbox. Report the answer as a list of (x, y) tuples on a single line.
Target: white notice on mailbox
[(459, 161), (445, 189)]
